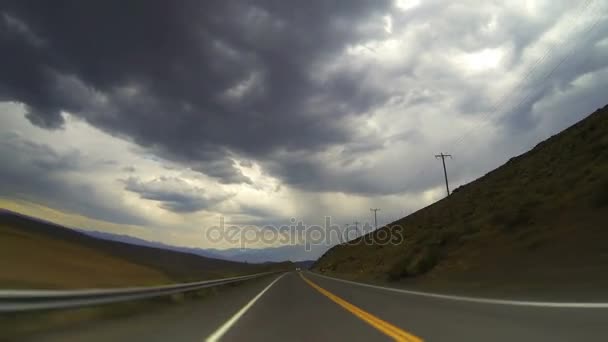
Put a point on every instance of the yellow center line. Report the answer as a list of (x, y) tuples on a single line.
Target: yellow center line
[(388, 329)]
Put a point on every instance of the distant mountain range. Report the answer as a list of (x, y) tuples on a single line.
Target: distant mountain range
[(249, 255), (294, 253)]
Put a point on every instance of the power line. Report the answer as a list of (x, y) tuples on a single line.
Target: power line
[(502, 102)]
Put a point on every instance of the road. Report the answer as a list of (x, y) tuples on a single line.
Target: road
[(307, 307)]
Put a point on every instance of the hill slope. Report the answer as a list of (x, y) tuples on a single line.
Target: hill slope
[(39, 254), (539, 222)]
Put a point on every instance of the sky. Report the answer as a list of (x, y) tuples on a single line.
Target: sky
[(157, 119)]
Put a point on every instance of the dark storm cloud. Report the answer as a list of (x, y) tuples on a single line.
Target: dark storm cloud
[(203, 83), (192, 80), (391, 177), (173, 194), (224, 170)]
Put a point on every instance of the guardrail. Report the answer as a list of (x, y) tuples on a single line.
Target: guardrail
[(27, 300)]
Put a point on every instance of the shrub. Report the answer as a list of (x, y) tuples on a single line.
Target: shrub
[(449, 235), (415, 262), (522, 216), (600, 194), (423, 261)]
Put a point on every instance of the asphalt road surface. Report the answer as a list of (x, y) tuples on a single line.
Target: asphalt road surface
[(307, 307)]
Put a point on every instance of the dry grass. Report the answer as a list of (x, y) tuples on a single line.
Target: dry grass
[(36, 254), (29, 260)]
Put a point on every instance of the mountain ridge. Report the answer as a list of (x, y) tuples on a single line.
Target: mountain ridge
[(248, 255)]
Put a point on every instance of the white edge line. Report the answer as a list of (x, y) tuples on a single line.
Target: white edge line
[(575, 305), (215, 336)]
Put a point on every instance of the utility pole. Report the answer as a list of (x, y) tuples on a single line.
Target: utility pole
[(346, 226), (445, 173), (375, 210), (356, 223)]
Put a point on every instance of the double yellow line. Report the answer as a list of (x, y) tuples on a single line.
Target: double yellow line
[(383, 326)]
